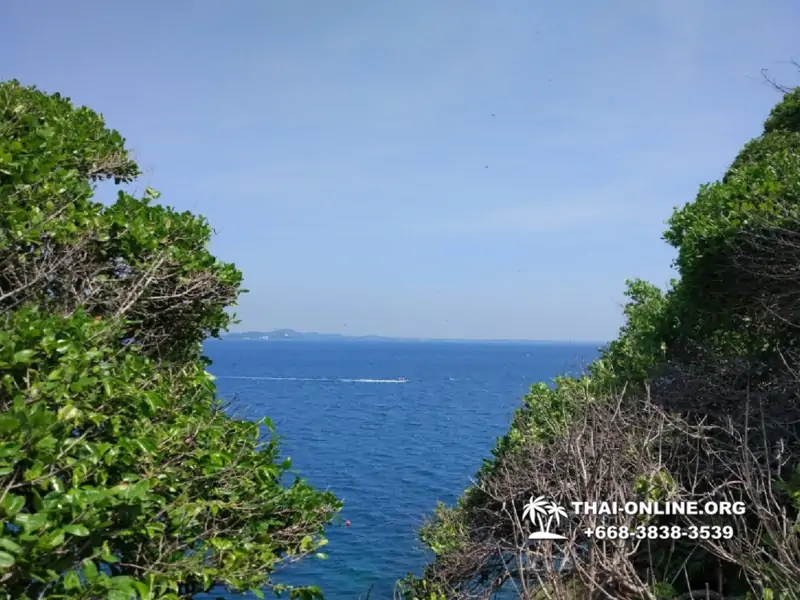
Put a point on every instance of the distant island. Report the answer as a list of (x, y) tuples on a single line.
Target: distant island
[(290, 335)]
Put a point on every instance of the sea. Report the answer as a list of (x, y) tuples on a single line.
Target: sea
[(391, 427)]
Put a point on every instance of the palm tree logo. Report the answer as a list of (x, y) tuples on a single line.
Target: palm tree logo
[(539, 508)]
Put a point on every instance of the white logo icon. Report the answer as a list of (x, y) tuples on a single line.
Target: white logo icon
[(539, 508)]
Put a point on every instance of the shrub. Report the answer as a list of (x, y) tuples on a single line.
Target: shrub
[(121, 474), (719, 349)]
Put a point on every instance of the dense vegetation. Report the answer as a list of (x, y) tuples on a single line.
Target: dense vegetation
[(120, 474), (696, 399), (122, 477)]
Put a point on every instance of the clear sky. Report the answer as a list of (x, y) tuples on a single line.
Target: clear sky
[(447, 168)]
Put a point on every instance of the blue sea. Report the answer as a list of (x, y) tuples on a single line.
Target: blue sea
[(390, 449)]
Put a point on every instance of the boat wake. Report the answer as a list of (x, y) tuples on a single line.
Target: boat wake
[(320, 379)]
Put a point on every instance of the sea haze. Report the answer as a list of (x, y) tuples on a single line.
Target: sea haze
[(390, 449)]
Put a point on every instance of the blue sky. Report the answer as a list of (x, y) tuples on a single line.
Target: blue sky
[(340, 149)]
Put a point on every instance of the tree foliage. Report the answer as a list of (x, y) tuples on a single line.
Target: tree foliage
[(718, 347), (62, 250), (121, 474)]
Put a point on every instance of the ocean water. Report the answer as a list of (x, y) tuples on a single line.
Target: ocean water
[(390, 449)]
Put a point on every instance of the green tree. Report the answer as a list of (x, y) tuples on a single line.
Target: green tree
[(723, 335), (121, 476)]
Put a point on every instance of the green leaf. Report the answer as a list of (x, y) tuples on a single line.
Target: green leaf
[(142, 589), (10, 545), (23, 356), (78, 530), (106, 556), (51, 540), (67, 413), (120, 594), (30, 522), (89, 570), (6, 560), (8, 424), (12, 504), (72, 581), (46, 443)]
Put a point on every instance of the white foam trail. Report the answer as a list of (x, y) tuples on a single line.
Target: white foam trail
[(253, 378), (372, 380)]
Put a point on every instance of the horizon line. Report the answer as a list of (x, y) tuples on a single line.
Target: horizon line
[(414, 338)]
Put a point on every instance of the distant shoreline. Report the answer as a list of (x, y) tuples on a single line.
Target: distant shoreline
[(289, 335)]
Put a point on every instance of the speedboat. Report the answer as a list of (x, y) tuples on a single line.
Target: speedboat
[(402, 380)]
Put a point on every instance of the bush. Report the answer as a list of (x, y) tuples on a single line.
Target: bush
[(61, 250), (719, 351), (121, 474)]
